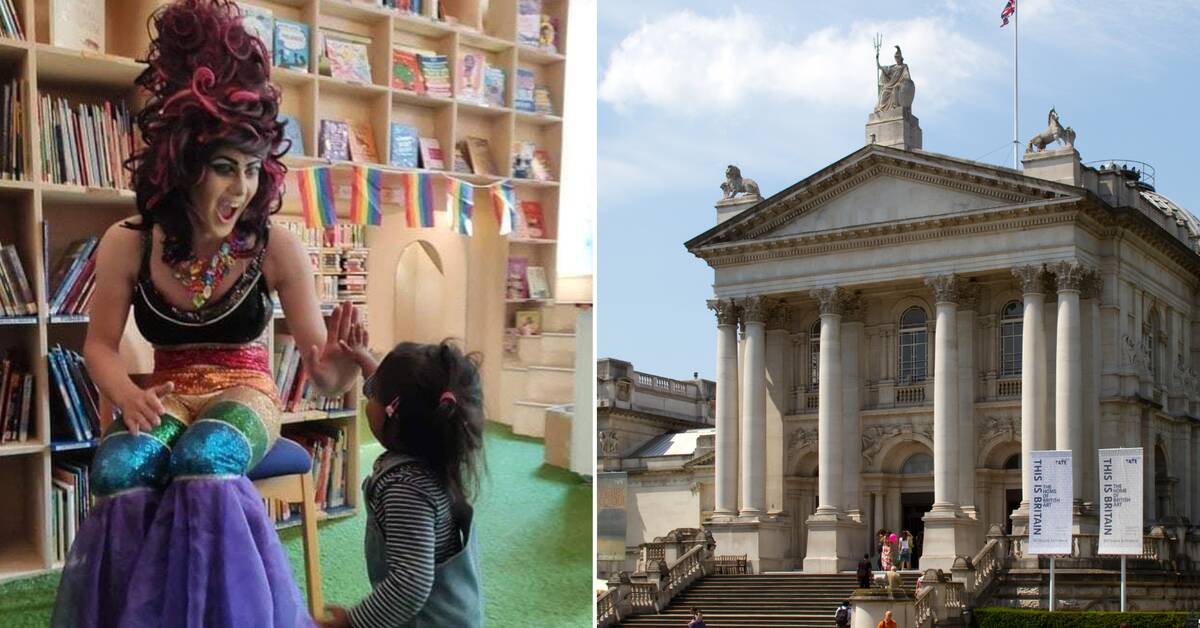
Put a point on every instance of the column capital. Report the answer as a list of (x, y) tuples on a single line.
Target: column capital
[(830, 299), (754, 308), (854, 309), (1033, 278), (968, 296), (779, 316), (1093, 285), (725, 309), (946, 288), (1069, 275)]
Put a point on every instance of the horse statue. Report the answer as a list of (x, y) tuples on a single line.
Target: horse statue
[(1054, 131), (735, 184)]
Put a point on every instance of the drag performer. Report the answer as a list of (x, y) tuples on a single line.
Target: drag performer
[(178, 535)]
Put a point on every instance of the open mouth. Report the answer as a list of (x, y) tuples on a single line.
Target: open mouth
[(226, 211)]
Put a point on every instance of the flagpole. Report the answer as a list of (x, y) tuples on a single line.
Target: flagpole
[(1016, 140)]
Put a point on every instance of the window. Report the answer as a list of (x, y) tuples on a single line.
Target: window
[(814, 354), (917, 464), (1011, 324), (1013, 462), (914, 344)]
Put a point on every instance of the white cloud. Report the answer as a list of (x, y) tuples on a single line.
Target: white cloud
[(694, 64)]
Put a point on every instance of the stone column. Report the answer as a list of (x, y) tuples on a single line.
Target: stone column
[(1092, 361), (1033, 379), (830, 533), (1195, 439), (726, 499), (1068, 371), (778, 373), (852, 334), (947, 530), (967, 376), (945, 393), (754, 409)]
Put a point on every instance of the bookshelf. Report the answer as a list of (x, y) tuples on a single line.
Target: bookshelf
[(470, 303)]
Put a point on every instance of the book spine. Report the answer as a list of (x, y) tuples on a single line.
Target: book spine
[(14, 260)]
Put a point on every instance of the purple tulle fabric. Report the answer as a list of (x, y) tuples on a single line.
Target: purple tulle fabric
[(204, 555)]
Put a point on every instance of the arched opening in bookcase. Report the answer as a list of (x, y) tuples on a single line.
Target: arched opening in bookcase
[(420, 295)]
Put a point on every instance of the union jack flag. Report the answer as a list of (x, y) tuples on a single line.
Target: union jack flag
[(1010, 9)]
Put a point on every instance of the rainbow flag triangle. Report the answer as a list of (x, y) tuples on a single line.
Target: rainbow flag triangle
[(316, 197), (504, 203), (460, 201), (365, 192)]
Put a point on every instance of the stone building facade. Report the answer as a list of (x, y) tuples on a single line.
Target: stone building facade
[(896, 333)]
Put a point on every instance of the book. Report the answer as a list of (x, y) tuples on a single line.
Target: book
[(406, 70), (294, 133), (529, 22), (522, 167), (533, 219), (334, 142), (403, 151), (431, 154), (529, 322), (291, 45), (535, 278), (479, 151), (516, 284), (362, 143), (493, 86), (523, 95), (345, 56), (541, 100), (435, 69), (78, 24), (470, 77), (259, 22), (10, 25), (542, 170), (461, 163)]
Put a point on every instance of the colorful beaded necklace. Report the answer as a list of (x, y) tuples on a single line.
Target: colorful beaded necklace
[(202, 276)]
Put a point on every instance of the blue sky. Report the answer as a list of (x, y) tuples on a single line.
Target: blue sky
[(782, 89)]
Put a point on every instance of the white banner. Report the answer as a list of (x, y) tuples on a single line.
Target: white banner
[(1121, 501), (1050, 505)]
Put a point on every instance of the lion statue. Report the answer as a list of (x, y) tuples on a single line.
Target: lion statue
[(734, 183)]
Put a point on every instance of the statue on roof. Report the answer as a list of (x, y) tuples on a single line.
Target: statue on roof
[(1054, 131), (734, 183), (896, 88)]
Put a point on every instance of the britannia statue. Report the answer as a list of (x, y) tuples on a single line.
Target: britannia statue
[(896, 87)]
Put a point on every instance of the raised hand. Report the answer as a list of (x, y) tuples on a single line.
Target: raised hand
[(337, 331), (356, 345)]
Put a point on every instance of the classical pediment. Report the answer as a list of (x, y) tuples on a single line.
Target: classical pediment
[(879, 186)]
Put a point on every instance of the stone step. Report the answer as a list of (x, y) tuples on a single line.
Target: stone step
[(529, 417), (550, 384)]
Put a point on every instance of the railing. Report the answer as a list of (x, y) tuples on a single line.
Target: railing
[(988, 563), (655, 551), (938, 600), (812, 400), (643, 596), (923, 609), (606, 607), (684, 572), (910, 395), (1006, 388), (655, 583)]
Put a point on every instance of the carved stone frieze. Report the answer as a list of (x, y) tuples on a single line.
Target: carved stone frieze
[(854, 308), (946, 288), (1033, 279), (754, 308), (1008, 428), (968, 296), (874, 437), (1093, 285), (1069, 275), (725, 309), (607, 441), (830, 299), (779, 316), (802, 438)]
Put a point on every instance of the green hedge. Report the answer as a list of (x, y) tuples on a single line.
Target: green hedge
[(1028, 618)]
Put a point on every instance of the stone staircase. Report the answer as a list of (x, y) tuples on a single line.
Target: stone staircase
[(541, 374), (796, 600)]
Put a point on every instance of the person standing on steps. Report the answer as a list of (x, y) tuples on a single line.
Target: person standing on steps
[(864, 572), (842, 615), (697, 619)]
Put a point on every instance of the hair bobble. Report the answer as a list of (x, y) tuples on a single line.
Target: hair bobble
[(448, 397)]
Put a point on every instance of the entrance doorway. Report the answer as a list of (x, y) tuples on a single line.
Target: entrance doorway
[(913, 507)]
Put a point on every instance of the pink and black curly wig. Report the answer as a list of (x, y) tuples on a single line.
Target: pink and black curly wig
[(209, 88)]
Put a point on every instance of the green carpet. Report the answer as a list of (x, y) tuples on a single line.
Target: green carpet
[(535, 530)]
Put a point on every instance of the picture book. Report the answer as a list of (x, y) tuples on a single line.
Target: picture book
[(529, 21), (470, 77), (461, 163), (362, 143), (533, 219), (542, 170), (406, 70), (493, 86), (529, 322), (522, 167), (479, 151), (541, 100), (79, 24), (523, 97), (535, 278), (259, 22), (345, 57), (431, 154), (293, 132), (403, 151), (334, 140), (291, 45), (435, 69), (516, 287)]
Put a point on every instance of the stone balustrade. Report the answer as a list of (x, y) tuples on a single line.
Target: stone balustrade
[(667, 566)]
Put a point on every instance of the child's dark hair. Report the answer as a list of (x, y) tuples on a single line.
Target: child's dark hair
[(438, 415)]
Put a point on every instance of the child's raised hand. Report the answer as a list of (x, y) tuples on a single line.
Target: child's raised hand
[(335, 617), (356, 345)]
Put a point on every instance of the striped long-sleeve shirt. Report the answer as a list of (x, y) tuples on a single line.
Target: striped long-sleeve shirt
[(414, 512)]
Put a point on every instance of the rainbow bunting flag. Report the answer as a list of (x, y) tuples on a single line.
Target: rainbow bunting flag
[(459, 203), (365, 190), (416, 190), (504, 202), (316, 197)]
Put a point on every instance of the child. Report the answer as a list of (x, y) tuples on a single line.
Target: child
[(424, 405)]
